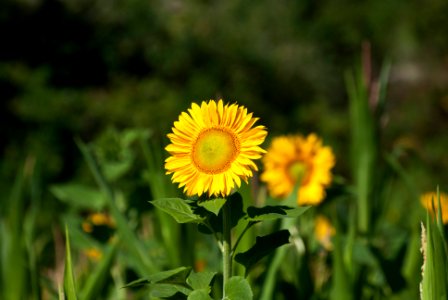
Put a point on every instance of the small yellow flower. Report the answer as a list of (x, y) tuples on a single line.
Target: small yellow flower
[(213, 147), (93, 254), (97, 219), (293, 160), (323, 231), (429, 198)]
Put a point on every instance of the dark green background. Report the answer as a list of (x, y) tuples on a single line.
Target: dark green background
[(75, 68)]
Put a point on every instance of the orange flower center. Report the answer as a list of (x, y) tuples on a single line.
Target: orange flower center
[(214, 150), (298, 172)]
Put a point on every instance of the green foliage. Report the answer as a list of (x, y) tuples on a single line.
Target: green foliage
[(117, 79), (69, 281), (274, 212), (237, 288), (264, 245), (13, 259), (177, 282), (434, 283), (213, 205), (179, 209), (98, 278)]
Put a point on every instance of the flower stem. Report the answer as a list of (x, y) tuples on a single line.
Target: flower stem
[(227, 246)]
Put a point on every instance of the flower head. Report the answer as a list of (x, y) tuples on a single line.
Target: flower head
[(213, 147), (429, 201), (297, 160)]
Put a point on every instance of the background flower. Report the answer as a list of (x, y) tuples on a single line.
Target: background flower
[(293, 160), (324, 231), (430, 202)]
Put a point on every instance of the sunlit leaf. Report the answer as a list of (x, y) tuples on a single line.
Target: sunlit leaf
[(178, 209), (238, 288), (213, 205), (200, 280), (199, 295)]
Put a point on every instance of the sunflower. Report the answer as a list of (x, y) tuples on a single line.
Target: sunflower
[(297, 160), (430, 198), (213, 147)]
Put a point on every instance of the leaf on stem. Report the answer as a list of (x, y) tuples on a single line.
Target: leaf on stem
[(165, 284), (263, 246), (213, 205), (200, 280), (274, 212), (179, 209), (235, 203)]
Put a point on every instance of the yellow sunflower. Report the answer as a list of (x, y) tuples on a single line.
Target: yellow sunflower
[(293, 160), (213, 147), (429, 198)]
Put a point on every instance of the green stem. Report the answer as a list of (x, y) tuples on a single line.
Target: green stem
[(267, 292), (227, 246)]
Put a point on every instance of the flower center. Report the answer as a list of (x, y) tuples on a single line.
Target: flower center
[(214, 150), (297, 171)]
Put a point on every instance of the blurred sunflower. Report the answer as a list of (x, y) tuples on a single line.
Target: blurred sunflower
[(213, 147), (324, 231), (97, 219), (293, 160), (430, 198)]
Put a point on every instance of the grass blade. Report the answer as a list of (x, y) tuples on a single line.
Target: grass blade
[(96, 280), (69, 280), (13, 259)]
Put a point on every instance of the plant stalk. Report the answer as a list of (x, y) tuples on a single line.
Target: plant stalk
[(227, 246)]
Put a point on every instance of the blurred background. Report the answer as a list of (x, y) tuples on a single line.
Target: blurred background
[(78, 69), (73, 68)]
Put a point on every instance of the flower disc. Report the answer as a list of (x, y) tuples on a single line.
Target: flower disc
[(213, 147)]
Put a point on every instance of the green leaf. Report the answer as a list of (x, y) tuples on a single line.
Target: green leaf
[(274, 212), (178, 209), (235, 203), (165, 284), (213, 205), (263, 246), (200, 280), (137, 283), (237, 288), (13, 267), (435, 278), (177, 275), (341, 286), (165, 290), (199, 295), (78, 195), (69, 280)]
